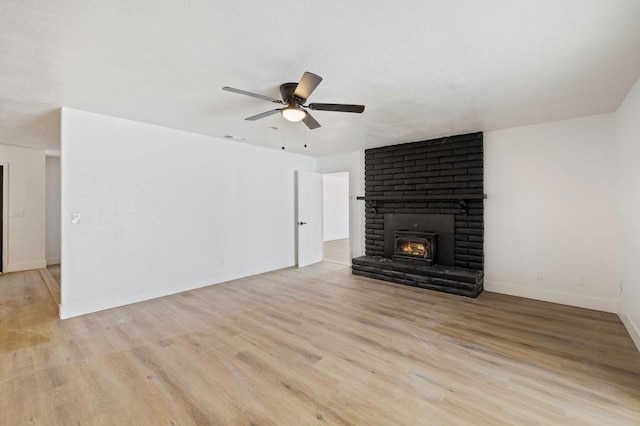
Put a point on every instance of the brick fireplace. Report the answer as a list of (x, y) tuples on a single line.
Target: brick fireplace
[(427, 187)]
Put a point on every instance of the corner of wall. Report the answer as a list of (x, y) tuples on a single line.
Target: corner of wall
[(562, 298), (628, 209), (632, 328)]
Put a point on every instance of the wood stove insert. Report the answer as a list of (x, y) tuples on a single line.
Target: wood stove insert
[(415, 247)]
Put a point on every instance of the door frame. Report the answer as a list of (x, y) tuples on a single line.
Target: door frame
[(350, 172)]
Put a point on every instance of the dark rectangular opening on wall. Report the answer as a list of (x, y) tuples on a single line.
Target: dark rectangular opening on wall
[(441, 224)]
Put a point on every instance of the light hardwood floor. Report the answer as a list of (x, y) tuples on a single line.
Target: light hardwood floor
[(337, 251), (54, 270), (313, 346), (52, 279)]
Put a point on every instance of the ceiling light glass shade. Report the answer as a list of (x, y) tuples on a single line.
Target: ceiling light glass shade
[(293, 113)]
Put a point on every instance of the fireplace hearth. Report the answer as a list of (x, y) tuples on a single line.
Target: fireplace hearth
[(426, 187)]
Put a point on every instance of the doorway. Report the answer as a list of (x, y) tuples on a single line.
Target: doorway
[(335, 218), (53, 245)]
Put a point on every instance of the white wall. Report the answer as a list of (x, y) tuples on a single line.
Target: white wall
[(163, 211), (628, 180), (352, 162), (335, 205), (24, 208), (52, 246), (551, 209)]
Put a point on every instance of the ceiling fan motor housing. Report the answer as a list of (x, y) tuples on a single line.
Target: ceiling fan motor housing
[(286, 90)]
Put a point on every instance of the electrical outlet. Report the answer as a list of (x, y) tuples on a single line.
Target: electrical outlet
[(580, 280), (538, 276)]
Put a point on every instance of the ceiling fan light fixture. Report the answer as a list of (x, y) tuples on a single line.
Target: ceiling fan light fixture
[(294, 95), (293, 113)]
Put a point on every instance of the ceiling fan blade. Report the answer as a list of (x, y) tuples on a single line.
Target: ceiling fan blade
[(337, 107), (310, 121), (307, 85), (254, 95), (263, 115)]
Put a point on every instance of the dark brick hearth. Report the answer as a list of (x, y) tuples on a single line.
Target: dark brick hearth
[(435, 177), (460, 281)]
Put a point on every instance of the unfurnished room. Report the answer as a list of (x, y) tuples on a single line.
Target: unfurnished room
[(320, 212)]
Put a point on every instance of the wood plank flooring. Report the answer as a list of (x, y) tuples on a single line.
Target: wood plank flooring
[(51, 277), (337, 251), (313, 346), (54, 270)]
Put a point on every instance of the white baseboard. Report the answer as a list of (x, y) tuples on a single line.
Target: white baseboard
[(53, 261), (632, 328), (104, 303), (91, 306), (26, 266), (336, 239), (597, 304)]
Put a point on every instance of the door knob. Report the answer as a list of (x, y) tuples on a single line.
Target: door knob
[(302, 223)]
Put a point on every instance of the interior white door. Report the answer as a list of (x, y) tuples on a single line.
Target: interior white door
[(309, 218)]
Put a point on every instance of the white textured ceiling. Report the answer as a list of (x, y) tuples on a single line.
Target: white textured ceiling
[(423, 68)]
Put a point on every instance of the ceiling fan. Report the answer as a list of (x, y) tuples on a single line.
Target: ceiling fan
[(294, 95)]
